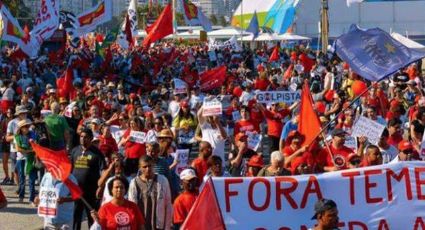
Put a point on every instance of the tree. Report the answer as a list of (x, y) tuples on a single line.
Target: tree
[(213, 19)]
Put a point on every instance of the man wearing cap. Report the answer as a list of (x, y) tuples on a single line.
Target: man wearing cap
[(240, 156), (338, 155), (326, 214), (407, 152), (187, 198), (58, 129)]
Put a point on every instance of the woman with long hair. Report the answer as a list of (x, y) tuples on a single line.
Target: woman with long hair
[(134, 148)]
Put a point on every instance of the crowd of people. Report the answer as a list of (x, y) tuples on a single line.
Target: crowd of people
[(139, 182)]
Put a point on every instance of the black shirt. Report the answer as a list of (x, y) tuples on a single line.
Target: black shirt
[(87, 168)]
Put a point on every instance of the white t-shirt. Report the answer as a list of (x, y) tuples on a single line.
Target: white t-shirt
[(8, 94), (12, 128), (389, 154), (213, 137), (174, 108)]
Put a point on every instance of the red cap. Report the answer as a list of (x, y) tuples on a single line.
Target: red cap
[(405, 145), (256, 161)]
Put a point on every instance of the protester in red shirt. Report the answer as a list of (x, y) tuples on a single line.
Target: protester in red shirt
[(187, 198), (119, 213), (200, 164), (338, 156), (245, 124), (134, 149), (293, 147), (395, 131), (316, 157), (373, 156), (255, 164), (274, 118), (107, 144)]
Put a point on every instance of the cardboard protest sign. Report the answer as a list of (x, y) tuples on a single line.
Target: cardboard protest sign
[(269, 97), (138, 137), (116, 132), (368, 128), (254, 140), (389, 196), (212, 108), (48, 205)]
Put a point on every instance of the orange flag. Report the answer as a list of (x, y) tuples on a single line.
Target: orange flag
[(309, 124)]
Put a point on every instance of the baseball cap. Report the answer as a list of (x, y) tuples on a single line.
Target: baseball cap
[(256, 161), (323, 205), (187, 174), (405, 145)]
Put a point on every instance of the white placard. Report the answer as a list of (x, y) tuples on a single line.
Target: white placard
[(68, 109), (351, 142), (138, 137), (116, 132), (212, 108), (254, 140), (269, 97), (236, 115), (368, 128), (48, 205), (182, 156), (180, 87)]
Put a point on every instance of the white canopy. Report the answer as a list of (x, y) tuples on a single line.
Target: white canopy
[(190, 34), (292, 37), (262, 37), (226, 33), (409, 43)]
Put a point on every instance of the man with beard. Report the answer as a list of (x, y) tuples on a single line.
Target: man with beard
[(326, 214)]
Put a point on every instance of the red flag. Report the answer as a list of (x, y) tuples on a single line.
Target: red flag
[(213, 78), (59, 165), (64, 83), (309, 124), (306, 62), (128, 33), (275, 54), (56, 162), (288, 72), (205, 213), (162, 27), (18, 55)]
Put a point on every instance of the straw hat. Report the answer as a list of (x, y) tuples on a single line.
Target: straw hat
[(165, 133), (24, 123)]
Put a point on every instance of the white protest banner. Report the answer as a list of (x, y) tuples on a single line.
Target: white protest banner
[(116, 132), (389, 196), (269, 97), (180, 87), (368, 128), (236, 115), (182, 156), (254, 140), (48, 205), (138, 137), (212, 108), (44, 113)]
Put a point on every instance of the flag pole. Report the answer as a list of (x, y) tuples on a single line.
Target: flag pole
[(324, 26), (241, 22), (174, 18)]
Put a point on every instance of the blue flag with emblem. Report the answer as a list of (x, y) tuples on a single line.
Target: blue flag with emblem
[(254, 26), (373, 53)]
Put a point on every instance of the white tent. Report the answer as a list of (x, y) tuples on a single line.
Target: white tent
[(227, 33), (407, 42), (292, 37), (262, 37), (190, 34)]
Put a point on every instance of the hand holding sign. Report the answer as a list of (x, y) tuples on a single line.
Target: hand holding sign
[(212, 108)]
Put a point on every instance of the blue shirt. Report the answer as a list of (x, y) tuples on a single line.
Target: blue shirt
[(65, 211), (288, 127)]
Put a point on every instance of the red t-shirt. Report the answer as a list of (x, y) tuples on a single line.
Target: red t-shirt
[(318, 160), (394, 140), (201, 167), (256, 118), (244, 126), (107, 145), (182, 206), (340, 156), (274, 121), (126, 216), (133, 150), (261, 84)]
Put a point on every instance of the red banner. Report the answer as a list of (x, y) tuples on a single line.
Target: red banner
[(213, 78)]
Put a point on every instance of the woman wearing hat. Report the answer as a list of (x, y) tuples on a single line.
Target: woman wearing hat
[(25, 159), (293, 147)]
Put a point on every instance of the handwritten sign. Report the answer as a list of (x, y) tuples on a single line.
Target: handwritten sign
[(254, 140), (48, 205), (182, 156), (138, 137), (269, 97), (212, 108), (368, 128), (351, 142)]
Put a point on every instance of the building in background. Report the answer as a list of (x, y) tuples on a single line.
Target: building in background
[(230, 7), (212, 7), (74, 6)]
